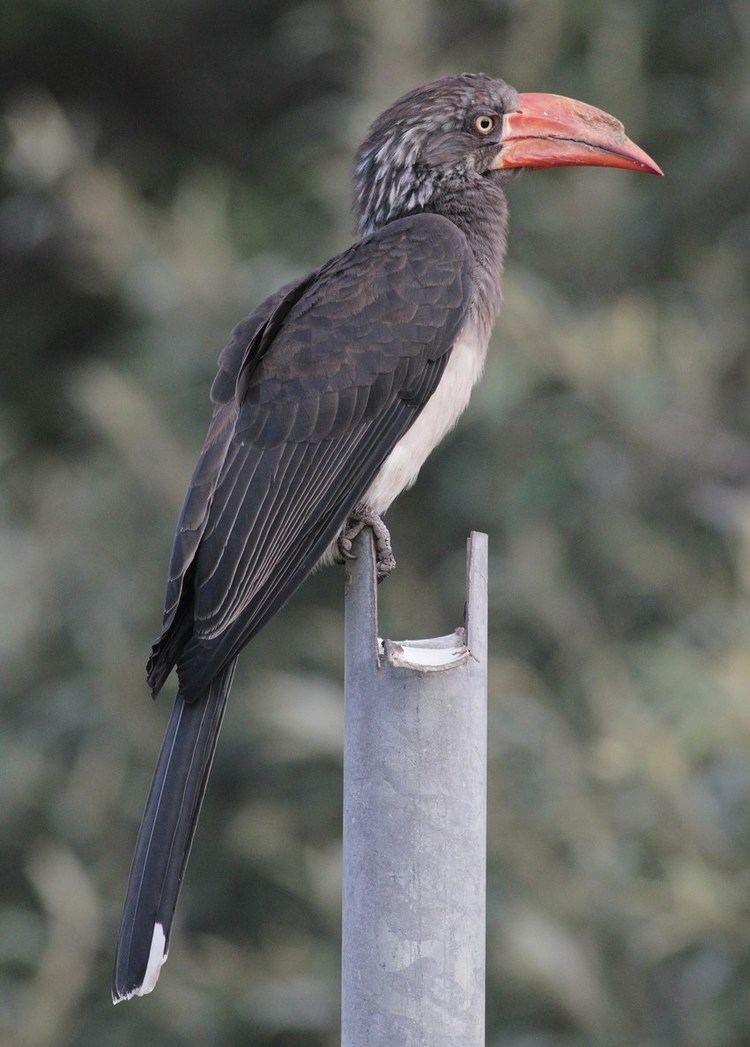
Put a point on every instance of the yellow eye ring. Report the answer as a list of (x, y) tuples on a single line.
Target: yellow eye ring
[(484, 124)]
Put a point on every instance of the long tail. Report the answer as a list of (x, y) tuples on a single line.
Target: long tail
[(165, 836)]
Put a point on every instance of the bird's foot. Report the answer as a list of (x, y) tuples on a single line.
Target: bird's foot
[(363, 517)]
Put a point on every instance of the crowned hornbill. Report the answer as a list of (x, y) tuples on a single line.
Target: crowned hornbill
[(328, 399)]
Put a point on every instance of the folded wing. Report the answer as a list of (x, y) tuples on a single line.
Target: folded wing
[(311, 398)]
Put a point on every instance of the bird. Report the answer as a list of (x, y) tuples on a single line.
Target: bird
[(328, 399)]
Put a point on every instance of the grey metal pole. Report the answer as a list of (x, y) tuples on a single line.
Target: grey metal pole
[(415, 785)]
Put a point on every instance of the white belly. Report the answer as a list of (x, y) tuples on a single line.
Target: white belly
[(440, 414)]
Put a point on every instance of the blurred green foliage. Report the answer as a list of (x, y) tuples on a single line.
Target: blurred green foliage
[(164, 166)]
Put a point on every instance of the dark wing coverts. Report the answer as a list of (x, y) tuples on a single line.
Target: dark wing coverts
[(313, 392)]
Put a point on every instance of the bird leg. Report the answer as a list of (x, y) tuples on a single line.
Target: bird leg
[(363, 517)]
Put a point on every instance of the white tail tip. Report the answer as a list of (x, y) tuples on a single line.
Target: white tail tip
[(156, 958)]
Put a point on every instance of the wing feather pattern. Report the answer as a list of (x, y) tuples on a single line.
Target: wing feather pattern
[(314, 390), (313, 393)]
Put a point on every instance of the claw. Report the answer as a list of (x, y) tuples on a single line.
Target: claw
[(363, 517), (345, 548), (384, 567)]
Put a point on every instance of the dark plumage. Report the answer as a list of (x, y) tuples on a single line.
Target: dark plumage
[(329, 395), (318, 398)]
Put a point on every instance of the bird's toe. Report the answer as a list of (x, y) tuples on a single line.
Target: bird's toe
[(385, 566)]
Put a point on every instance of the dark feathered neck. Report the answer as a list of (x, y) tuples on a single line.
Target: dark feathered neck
[(480, 210), (388, 182)]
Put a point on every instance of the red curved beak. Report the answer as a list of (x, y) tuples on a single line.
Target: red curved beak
[(553, 131)]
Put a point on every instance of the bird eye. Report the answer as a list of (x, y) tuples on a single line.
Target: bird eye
[(484, 124)]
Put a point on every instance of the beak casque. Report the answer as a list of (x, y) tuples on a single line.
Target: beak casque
[(554, 131)]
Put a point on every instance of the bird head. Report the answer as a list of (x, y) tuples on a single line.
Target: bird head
[(465, 130)]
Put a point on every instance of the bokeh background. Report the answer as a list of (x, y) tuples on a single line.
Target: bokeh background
[(164, 166)]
